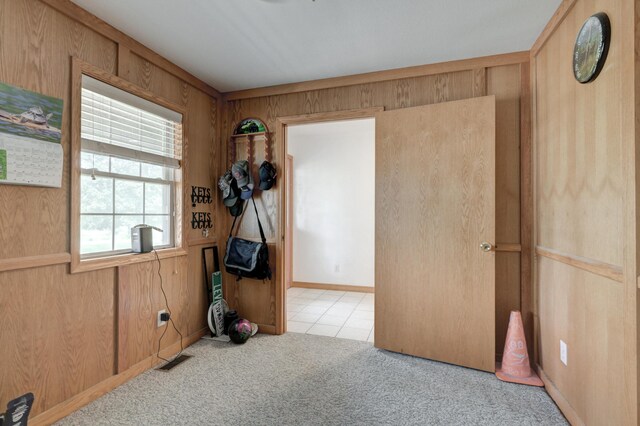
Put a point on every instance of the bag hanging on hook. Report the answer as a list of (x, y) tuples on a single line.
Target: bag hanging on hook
[(245, 258)]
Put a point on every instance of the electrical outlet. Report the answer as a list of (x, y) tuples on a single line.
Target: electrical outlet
[(160, 322), (337, 268), (563, 352)]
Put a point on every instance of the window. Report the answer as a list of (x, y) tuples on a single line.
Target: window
[(130, 156)]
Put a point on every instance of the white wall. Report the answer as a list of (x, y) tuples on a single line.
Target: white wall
[(333, 202)]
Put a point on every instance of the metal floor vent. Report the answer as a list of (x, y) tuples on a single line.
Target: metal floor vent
[(179, 360)]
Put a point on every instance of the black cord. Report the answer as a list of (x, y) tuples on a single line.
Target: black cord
[(166, 304)]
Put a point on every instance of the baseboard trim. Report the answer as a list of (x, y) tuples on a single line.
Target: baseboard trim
[(337, 287), (564, 406), (87, 396)]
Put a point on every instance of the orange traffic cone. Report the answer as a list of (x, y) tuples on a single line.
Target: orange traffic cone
[(515, 366)]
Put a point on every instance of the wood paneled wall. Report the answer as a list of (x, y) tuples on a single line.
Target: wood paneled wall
[(67, 337), (585, 218), (256, 300)]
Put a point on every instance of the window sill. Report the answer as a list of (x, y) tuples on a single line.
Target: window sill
[(95, 264)]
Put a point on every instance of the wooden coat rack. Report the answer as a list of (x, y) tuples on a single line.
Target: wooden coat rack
[(251, 138)]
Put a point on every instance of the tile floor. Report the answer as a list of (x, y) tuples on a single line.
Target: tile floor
[(343, 314)]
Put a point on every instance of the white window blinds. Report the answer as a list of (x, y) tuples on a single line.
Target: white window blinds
[(119, 124)]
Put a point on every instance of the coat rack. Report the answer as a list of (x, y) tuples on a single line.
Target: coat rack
[(251, 137)]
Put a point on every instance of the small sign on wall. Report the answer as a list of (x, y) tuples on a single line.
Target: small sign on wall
[(201, 220), (30, 148)]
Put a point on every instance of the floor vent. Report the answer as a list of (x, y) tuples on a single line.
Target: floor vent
[(179, 360)]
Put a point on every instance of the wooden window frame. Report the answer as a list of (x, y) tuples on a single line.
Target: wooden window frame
[(78, 69)]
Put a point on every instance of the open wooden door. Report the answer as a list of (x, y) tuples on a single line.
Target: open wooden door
[(435, 230)]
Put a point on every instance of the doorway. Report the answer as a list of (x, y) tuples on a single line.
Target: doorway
[(434, 229), (329, 234)]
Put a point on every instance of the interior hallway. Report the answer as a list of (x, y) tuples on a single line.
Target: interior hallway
[(342, 314)]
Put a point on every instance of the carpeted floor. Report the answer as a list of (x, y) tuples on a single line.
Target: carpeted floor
[(300, 379)]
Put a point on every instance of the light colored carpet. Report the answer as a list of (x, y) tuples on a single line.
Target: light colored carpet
[(300, 379)]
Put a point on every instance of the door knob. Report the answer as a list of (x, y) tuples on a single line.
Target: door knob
[(486, 247)]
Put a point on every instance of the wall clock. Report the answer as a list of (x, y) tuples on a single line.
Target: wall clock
[(590, 50)]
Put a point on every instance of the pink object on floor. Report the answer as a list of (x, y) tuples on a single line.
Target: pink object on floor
[(515, 366)]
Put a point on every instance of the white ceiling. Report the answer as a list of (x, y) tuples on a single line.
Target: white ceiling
[(241, 44)]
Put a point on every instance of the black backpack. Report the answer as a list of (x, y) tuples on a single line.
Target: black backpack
[(245, 258)]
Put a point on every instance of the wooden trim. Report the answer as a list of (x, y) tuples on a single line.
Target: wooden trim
[(126, 259), (613, 272), (258, 135), (288, 230), (202, 242), (280, 143), (628, 31), (74, 160), (124, 59), (555, 394), (378, 76), (78, 69), (336, 287), (320, 117), (557, 18), (75, 12), (281, 146), (34, 261), (507, 247), (534, 221), (89, 395), (526, 207), (120, 83), (181, 189)]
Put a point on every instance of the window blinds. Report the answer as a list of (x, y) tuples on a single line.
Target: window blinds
[(117, 123)]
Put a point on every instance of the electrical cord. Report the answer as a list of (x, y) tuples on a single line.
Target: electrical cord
[(166, 304)]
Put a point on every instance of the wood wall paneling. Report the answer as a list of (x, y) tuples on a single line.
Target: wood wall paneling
[(79, 15), (140, 299), (35, 50), (505, 84), (46, 312), (508, 276), (94, 392), (585, 226), (526, 208), (57, 333), (196, 303), (630, 134), (580, 184), (62, 333), (28, 29), (560, 400), (503, 81), (583, 310)]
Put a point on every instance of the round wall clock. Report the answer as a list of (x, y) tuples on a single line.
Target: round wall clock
[(590, 50)]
